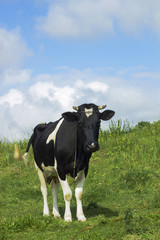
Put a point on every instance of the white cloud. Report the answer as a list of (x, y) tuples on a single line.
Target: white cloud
[(13, 52), (42, 90), (88, 18), (63, 95), (98, 86), (134, 16), (13, 75), (76, 19), (13, 97), (13, 48), (95, 86), (45, 99), (130, 99)]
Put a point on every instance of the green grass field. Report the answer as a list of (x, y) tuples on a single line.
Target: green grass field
[(121, 195)]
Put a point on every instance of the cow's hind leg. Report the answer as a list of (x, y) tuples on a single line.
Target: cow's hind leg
[(44, 191), (78, 195), (55, 187)]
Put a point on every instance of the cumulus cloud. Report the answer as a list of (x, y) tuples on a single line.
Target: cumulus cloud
[(13, 97), (47, 90), (98, 87), (13, 48), (44, 101), (10, 76), (95, 86), (14, 52), (95, 18)]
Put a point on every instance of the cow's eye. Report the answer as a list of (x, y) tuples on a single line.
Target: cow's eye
[(80, 124)]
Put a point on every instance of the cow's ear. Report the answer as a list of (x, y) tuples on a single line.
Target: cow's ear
[(69, 116), (106, 115)]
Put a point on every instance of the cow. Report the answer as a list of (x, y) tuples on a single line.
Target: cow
[(64, 148)]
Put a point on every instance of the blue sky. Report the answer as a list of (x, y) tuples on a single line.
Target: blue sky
[(56, 54)]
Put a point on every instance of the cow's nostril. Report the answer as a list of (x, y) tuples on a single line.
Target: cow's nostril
[(91, 146)]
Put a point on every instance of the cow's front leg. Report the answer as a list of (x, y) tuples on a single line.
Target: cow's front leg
[(78, 195), (55, 187), (67, 193)]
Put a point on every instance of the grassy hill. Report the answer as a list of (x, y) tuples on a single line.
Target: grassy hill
[(121, 195)]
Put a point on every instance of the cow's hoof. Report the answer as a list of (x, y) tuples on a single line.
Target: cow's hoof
[(56, 216), (45, 211), (68, 219), (45, 214), (82, 218)]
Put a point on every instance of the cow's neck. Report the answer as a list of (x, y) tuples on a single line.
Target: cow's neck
[(82, 157)]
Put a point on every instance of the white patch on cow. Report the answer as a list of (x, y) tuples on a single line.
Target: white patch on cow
[(88, 112), (55, 187), (49, 171), (67, 193), (52, 136), (24, 157), (55, 164), (43, 190), (78, 194), (36, 166)]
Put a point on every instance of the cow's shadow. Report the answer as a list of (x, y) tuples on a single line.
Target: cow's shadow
[(93, 210)]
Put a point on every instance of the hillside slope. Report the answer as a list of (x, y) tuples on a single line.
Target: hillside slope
[(121, 194)]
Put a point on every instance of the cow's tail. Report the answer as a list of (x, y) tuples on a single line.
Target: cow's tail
[(17, 154)]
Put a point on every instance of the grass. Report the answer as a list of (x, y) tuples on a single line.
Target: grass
[(121, 195)]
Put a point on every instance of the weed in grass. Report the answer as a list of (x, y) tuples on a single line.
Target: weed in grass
[(134, 178), (128, 221), (156, 198)]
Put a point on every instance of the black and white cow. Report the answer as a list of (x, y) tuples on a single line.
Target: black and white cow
[(64, 148)]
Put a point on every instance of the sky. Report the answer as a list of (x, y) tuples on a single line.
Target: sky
[(55, 54)]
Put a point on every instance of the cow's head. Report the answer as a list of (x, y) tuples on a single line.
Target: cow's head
[(88, 118)]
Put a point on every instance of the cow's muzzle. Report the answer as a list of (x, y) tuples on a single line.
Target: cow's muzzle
[(93, 147)]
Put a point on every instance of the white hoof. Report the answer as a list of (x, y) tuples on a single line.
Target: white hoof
[(81, 218), (56, 214), (45, 214), (67, 219)]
